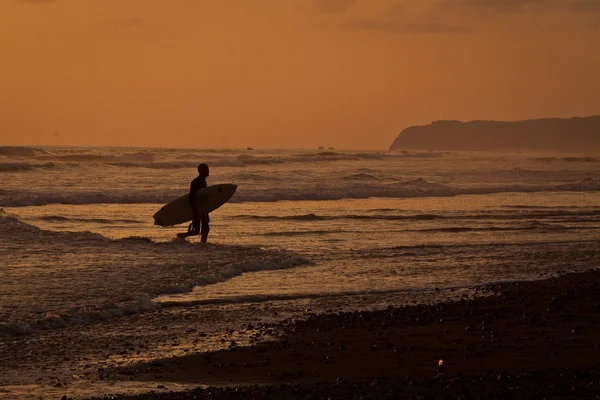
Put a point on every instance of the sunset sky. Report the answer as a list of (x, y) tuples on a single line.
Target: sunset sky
[(286, 73)]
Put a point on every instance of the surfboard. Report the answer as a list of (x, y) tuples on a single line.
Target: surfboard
[(207, 200)]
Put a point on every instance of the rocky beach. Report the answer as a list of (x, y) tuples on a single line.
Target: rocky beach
[(536, 339)]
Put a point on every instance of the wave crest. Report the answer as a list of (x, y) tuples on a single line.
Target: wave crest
[(23, 166), (566, 159), (368, 188), (361, 177), (22, 151)]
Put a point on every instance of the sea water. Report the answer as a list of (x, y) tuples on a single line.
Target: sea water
[(307, 231)]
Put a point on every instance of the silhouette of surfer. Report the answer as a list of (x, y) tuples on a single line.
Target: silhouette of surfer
[(199, 183)]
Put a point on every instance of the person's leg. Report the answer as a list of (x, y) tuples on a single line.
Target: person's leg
[(205, 228), (195, 226)]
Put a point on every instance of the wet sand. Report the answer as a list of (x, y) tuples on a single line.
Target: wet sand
[(528, 340)]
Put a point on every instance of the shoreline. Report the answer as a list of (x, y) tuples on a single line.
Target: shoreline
[(542, 336)]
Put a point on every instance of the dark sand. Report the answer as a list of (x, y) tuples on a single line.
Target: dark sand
[(530, 340)]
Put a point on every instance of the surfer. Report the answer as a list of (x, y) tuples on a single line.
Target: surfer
[(199, 183)]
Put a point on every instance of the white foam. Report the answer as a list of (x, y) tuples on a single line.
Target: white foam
[(56, 279), (335, 191)]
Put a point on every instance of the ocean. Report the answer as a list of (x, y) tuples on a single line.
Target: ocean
[(88, 282)]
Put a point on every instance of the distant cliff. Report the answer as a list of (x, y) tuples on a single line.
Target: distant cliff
[(548, 134)]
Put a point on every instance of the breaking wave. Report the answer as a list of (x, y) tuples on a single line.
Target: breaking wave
[(527, 226), (155, 165), (99, 158), (83, 277), (584, 215), (566, 159), (302, 233), (314, 217), (413, 188), (581, 185), (524, 227), (60, 218), (361, 177), (24, 166), (19, 151), (151, 161)]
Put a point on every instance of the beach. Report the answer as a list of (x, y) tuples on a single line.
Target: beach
[(326, 271), (524, 340)]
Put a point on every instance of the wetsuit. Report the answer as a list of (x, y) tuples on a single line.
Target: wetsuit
[(197, 184)]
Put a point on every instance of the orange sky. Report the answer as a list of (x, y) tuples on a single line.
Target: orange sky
[(286, 73)]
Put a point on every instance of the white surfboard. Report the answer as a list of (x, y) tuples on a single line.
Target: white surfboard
[(207, 200)]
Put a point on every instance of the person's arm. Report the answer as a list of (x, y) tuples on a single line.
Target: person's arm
[(192, 193)]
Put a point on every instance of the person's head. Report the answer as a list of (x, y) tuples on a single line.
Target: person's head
[(203, 169)]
